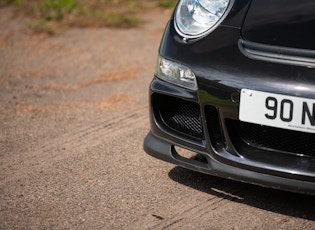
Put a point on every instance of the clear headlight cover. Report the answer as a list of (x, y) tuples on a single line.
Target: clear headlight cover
[(194, 18), (176, 73)]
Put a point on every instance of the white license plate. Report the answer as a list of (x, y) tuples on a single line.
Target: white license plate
[(281, 111)]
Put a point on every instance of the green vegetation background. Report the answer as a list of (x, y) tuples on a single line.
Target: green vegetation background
[(52, 16)]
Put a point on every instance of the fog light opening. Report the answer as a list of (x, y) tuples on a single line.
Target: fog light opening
[(185, 153)]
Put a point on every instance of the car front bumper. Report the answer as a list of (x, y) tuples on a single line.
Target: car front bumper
[(164, 150), (207, 122)]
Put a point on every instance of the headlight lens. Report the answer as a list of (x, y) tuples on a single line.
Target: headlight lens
[(194, 18), (176, 73)]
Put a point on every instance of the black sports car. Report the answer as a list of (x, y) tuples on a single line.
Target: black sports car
[(235, 83)]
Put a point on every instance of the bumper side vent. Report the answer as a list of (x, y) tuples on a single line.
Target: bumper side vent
[(179, 115)]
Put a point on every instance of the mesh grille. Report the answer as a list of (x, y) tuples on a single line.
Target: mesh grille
[(264, 137), (181, 116)]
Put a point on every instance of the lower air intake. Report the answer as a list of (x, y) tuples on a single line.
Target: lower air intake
[(180, 115)]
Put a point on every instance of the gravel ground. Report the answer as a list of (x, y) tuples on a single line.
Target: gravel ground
[(73, 115)]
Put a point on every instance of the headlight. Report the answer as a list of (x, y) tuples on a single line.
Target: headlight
[(176, 73), (194, 18)]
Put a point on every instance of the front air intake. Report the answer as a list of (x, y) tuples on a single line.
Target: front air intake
[(178, 115)]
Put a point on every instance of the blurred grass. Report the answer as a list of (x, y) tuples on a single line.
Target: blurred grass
[(167, 3), (53, 16)]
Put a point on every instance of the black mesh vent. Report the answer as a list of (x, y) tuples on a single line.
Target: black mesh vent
[(181, 116), (264, 137)]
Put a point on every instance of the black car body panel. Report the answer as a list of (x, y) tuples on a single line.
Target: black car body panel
[(207, 121), (287, 23)]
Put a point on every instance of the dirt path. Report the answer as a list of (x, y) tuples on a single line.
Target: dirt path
[(73, 115)]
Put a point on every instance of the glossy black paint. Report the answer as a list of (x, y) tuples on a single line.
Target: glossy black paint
[(287, 23), (222, 70)]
